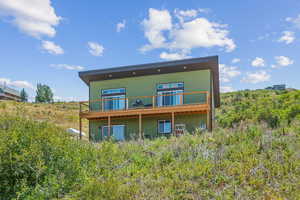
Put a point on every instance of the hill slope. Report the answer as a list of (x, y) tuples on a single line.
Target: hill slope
[(274, 108), (62, 114), (248, 160)]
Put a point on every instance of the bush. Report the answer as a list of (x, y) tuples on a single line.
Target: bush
[(40, 161)]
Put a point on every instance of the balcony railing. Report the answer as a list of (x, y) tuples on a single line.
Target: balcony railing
[(145, 102)]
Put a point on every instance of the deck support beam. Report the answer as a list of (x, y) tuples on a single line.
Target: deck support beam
[(140, 126), (108, 126), (80, 128), (208, 120), (173, 123)]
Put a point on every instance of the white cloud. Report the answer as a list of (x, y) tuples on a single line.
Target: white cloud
[(295, 21), (256, 77), (34, 17), (258, 62), (288, 37), (183, 15), (236, 60), (185, 35), (186, 13), (282, 61), (201, 33), (18, 84), (95, 48), (52, 48), (68, 67), (159, 21), (121, 25), (228, 72), (172, 56), (225, 89)]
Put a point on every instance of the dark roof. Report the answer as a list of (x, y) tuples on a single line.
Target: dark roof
[(211, 63)]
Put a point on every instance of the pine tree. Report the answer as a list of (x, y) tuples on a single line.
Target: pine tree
[(24, 95)]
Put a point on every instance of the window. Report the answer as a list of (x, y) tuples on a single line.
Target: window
[(113, 99), (164, 126), (169, 94), (117, 131), (202, 125), (169, 86)]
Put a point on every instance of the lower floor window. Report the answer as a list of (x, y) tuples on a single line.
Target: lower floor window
[(164, 126), (202, 125), (117, 131)]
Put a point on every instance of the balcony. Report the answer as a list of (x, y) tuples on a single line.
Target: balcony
[(188, 102)]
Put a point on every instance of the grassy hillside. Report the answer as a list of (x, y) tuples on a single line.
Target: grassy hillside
[(272, 108), (247, 160), (62, 114)]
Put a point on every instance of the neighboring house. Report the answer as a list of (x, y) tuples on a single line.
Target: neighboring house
[(276, 87), (150, 100), (7, 93)]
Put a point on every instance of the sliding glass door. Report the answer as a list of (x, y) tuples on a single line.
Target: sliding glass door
[(117, 132), (113, 99), (169, 94)]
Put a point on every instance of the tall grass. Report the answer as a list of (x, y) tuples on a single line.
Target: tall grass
[(39, 161)]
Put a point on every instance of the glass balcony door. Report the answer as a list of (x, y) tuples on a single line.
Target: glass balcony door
[(117, 132), (114, 102), (169, 94), (169, 98), (113, 99)]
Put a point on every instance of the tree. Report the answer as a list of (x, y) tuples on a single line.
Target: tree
[(44, 94), (24, 95)]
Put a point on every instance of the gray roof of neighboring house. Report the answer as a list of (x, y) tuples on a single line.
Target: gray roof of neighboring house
[(211, 63), (4, 88)]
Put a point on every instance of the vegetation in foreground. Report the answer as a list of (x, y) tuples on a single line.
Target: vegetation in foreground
[(252, 160)]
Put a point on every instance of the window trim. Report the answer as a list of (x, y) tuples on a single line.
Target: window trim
[(158, 131)]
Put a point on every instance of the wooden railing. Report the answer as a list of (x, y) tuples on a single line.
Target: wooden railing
[(144, 102)]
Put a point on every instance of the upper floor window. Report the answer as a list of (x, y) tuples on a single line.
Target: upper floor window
[(164, 86), (170, 94), (113, 99), (113, 91)]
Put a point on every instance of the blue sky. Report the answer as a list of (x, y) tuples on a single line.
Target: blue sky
[(43, 41)]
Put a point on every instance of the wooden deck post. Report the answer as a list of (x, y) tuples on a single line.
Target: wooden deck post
[(208, 123), (140, 126), (208, 120), (80, 128), (153, 101), (173, 123), (181, 99), (108, 126)]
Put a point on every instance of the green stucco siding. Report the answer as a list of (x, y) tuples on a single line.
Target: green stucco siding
[(146, 86), (149, 125)]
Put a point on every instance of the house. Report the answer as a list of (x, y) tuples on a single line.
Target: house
[(7, 93), (276, 87), (151, 100)]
